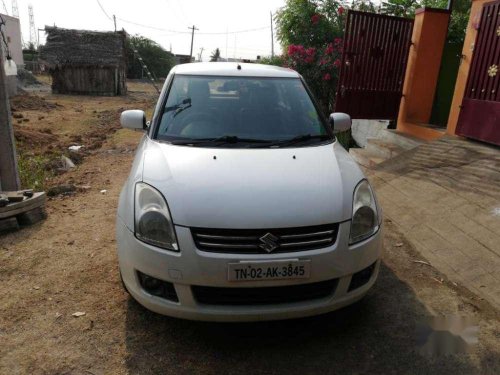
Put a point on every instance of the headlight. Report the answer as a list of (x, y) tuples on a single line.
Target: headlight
[(365, 221), (153, 223)]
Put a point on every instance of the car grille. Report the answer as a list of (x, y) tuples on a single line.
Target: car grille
[(264, 295), (263, 241)]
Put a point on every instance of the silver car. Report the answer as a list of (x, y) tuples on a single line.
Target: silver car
[(241, 205)]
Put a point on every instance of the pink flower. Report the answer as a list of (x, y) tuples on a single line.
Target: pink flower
[(327, 77), (340, 10), (291, 49), (323, 62), (315, 19), (309, 59), (311, 51), (329, 50), (336, 63), (295, 49), (338, 41)]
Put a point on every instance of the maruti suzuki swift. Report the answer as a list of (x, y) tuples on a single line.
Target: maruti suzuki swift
[(241, 204)]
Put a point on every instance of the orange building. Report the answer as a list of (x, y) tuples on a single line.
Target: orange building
[(475, 108)]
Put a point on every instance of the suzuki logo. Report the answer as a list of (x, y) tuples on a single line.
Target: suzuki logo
[(269, 242)]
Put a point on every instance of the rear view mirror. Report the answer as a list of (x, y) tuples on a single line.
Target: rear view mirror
[(133, 119), (340, 122)]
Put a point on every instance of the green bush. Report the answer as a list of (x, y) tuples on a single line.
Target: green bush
[(158, 60), (34, 171)]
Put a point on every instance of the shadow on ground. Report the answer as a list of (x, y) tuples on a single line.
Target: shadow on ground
[(376, 335)]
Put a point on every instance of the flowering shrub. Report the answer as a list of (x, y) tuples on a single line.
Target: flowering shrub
[(315, 18), (319, 67), (312, 32)]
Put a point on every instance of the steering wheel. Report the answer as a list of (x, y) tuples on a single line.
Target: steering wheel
[(198, 125)]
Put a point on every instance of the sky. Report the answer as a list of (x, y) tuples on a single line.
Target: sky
[(165, 21)]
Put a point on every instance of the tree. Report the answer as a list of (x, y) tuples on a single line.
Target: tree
[(311, 23), (400, 8), (30, 47), (364, 6), (311, 33), (459, 15), (278, 60), (215, 56), (157, 59)]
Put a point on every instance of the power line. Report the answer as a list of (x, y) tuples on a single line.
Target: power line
[(103, 10), (238, 32), (153, 27), (179, 31), (188, 32)]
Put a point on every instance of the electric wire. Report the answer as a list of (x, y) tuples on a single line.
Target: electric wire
[(103, 10), (173, 32), (179, 31)]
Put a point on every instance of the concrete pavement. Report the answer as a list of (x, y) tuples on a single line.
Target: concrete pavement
[(444, 196)]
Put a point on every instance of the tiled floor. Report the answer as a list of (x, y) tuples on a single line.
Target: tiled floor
[(445, 198)]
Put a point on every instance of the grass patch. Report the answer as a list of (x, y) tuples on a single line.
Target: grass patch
[(34, 171), (125, 138)]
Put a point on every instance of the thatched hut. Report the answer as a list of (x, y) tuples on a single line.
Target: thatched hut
[(85, 62)]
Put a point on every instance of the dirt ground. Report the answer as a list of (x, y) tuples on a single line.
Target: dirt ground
[(68, 264)]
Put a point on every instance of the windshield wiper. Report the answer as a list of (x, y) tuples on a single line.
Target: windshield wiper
[(178, 108), (225, 139), (298, 139)]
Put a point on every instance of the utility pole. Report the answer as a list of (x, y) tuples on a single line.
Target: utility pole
[(32, 26), (272, 36), (9, 176), (200, 54), (192, 40), (114, 20)]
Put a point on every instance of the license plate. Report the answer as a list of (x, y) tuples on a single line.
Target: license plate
[(276, 270)]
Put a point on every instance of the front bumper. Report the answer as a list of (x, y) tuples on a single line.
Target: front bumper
[(191, 267)]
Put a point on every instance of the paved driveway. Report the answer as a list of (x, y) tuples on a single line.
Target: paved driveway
[(445, 197)]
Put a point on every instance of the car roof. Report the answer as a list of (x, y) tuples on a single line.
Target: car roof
[(231, 69)]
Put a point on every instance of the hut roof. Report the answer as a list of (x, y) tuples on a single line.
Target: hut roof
[(83, 48)]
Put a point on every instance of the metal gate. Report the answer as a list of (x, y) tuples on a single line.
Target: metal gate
[(480, 112), (373, 66)]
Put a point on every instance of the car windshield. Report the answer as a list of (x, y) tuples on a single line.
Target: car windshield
[(256, 112)]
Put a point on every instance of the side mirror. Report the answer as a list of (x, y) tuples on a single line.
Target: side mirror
[(340, 122), (133, 119)]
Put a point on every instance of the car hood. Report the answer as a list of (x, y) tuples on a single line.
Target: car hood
[(253, 188)]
